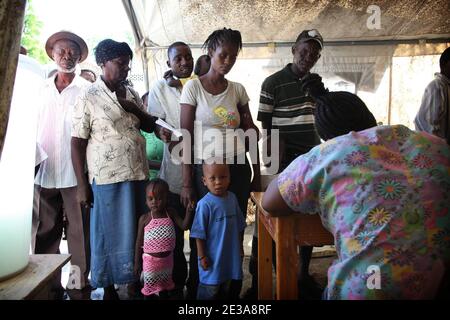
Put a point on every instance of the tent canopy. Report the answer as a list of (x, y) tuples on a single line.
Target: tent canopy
[(366, 42), (161, 22)]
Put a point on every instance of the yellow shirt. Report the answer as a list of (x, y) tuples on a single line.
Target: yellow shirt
[(184, 80)]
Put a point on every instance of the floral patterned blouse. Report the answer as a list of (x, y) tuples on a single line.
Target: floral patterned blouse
[(384, 193), (116, 148)]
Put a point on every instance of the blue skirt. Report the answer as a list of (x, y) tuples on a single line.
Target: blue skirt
[(117, 207)]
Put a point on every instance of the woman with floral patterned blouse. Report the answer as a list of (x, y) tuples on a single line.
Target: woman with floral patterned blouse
[(106, 138), (383, 192)]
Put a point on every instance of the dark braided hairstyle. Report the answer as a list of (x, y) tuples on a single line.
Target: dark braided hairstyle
[(220, 36), (338, 113)]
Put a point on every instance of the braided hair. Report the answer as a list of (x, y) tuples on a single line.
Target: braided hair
[(338, 113), (157, 185), (220, 36)]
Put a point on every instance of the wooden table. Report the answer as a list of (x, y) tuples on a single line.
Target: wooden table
[(288, 232), (34, 282)]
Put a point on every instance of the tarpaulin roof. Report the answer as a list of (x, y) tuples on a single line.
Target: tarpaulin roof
[(366, 42), (161, 22)]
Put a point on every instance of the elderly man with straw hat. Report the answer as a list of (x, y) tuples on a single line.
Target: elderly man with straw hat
[(56, 183)]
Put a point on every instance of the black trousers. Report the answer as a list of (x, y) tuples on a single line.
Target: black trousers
[(180, 269)]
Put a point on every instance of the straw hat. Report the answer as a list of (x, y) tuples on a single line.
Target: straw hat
[(66, 35)]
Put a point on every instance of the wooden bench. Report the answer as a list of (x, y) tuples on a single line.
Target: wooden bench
[(35, 281), (288, 232)]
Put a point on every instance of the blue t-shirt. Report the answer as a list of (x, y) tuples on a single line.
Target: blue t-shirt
[(219, 221)]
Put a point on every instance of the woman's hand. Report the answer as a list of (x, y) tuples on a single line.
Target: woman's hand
[(188, 196), (147, 122), (191, 206), (163, 134), (128, 106), (252, 126), (85, 196)]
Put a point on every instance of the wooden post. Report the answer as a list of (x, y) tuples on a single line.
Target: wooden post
[(11, 22), (287, 259), (264, 259)]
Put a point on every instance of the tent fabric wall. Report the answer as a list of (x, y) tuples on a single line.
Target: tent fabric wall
[(338, 66), (269, 26)]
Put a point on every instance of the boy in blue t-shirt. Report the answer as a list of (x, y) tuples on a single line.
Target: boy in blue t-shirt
[(218, 228)]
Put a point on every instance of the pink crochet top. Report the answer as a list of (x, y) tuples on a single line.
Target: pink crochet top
[(159, 235)]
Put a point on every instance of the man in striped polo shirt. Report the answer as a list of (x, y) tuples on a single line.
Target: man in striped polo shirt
[(285, 106)]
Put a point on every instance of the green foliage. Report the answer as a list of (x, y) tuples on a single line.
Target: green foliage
[(30, 35)]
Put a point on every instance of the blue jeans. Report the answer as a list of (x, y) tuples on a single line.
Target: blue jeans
[(180, 269), (228, 290)]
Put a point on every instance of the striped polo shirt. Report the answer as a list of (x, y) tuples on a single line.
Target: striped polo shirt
[(289, 109)]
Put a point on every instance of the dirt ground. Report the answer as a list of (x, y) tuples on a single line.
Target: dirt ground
[(322, 259)]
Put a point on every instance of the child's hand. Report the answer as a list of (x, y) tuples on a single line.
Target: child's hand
[(170, 80), (168, 75), (204, 262)]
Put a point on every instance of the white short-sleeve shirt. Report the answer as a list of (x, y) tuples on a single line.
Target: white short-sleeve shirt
[(163, 102), (53, 133), (216, 118)]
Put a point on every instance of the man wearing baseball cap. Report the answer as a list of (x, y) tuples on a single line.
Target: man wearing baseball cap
[(285, 106), (55, 182)]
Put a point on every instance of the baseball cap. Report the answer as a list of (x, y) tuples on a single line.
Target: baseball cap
[(307, 35)]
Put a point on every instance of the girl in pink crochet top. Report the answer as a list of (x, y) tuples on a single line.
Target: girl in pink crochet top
[(155, 241)]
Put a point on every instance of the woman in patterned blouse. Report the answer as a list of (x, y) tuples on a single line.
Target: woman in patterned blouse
[(106, 138), (383, 192)]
